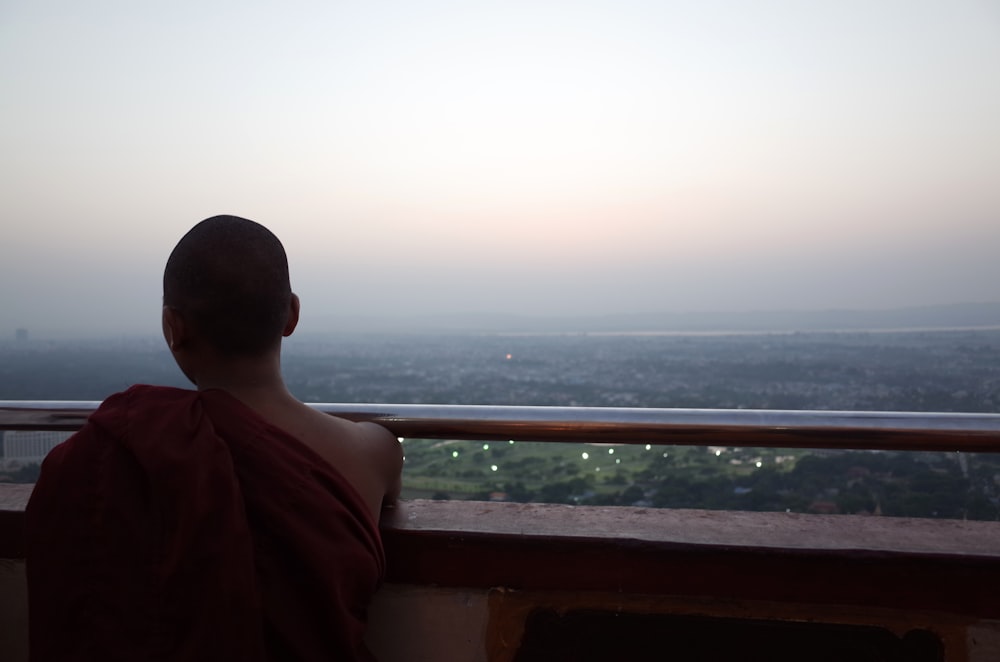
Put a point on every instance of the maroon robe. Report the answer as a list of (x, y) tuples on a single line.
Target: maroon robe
[(179, 525)]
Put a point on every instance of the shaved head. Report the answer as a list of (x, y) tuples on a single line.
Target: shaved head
[(228, 276)]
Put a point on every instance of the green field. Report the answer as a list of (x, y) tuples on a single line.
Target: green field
[(909, 484), (567, 472)]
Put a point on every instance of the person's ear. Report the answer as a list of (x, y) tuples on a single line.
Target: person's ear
[(175, 331), (293, 316)]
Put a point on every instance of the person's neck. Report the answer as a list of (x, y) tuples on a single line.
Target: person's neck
[(255, 382)]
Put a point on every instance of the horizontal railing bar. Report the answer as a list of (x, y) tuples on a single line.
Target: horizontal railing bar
[(696, 427)]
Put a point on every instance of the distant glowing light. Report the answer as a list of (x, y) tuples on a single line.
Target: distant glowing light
[(454, 453), (649, 447), (759, 464), (509, 357), (618, 460), (493, 467), (585, 455), (718, 453), (666, 454), (486, 447), (611, 451), (511, 442), (399, 439)]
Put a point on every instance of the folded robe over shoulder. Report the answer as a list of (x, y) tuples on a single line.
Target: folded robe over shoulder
[(179, 525)]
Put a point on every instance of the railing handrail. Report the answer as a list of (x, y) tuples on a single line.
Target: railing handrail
[(697, 427)]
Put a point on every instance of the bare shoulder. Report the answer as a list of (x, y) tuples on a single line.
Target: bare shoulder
[(387, 454), (368, 438), (366, 453), (380, 439)]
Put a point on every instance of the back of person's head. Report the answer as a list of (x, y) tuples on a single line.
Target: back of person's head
[(228, 278)]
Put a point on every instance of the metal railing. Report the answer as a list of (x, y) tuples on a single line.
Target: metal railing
[(696, 427)]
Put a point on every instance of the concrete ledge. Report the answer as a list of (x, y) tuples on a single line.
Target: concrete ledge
[(944, 566), (727, 528), (936, 565)]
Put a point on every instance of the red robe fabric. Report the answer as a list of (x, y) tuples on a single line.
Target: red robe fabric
[(179, 525)]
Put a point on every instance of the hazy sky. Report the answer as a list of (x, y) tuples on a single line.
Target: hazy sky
[(532, 157)]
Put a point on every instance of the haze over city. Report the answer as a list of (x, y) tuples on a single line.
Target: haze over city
[(531, 158)]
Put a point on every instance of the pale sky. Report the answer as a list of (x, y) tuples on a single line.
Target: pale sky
[(533, 157)]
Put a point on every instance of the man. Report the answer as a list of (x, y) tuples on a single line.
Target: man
[(228, 523)]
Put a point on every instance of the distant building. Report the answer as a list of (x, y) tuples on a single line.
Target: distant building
[(21, 335), (29, 447)]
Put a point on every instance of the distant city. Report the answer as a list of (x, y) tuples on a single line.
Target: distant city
[(936, 371), (983, 315)]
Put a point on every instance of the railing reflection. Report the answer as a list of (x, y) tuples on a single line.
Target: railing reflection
[(693, 427)]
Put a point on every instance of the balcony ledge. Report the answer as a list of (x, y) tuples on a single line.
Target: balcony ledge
[(489, 566), (939, 565)]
